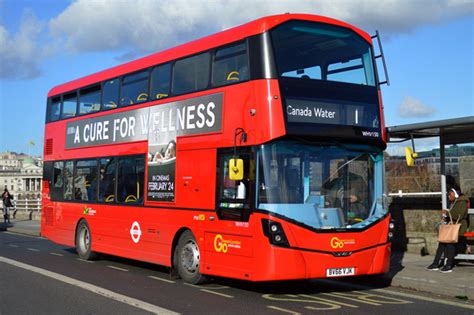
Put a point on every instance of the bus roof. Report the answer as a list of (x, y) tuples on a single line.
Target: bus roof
[(227, 36)]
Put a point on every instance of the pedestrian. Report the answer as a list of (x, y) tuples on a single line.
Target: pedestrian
[(458, 211), (7, 204)]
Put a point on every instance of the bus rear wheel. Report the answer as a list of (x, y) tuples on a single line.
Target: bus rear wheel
[(187, 259), (84, 242)]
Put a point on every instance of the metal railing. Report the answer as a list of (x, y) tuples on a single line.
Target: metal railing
[(27, 205), (414, 194)]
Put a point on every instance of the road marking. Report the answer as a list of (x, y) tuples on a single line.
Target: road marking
[(161, 279), (340, 295), (411, 296), (207, 286), (117, 268), (217, 293), (90, 287), (210, 291), (328, 301), (283, 310), (33, 249), (86, 261), (423, 298), (11, 245), (56, 254)]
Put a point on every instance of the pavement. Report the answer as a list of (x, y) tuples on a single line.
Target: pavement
[(407, 270)]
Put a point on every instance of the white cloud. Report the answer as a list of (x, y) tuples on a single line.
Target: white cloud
[(132, 28), (411, 107), (20, 54), (149, 25)]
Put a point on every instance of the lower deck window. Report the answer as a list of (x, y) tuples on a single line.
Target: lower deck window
[(103, 180)]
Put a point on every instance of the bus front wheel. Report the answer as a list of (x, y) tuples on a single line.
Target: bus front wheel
[(188, 259), (84, 242)]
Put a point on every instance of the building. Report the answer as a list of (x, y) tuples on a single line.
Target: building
[(452, 156), (21, 175)]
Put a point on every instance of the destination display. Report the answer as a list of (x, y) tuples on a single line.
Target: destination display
[(160, 125), (328, 112)]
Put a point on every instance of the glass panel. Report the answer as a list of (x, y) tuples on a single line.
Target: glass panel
[(68, 179), (322, 186), (160, 81), (58, 181), (85, 180), (55, 109), (191, 74), (134, 88), (235, 193), (460, 169), (131, 172), (424, 177), (107, 180), (110, 94), (305, 49), (351, 72), (89, 100), (230, 65), (69, 106), (308, 73)]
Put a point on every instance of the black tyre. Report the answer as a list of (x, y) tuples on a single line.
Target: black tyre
[(187, 259), (84, 242)]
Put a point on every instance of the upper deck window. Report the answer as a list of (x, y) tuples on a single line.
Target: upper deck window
[(191, 74), (160, 81), (134, 88), (69, 106), (89, 100), (110, 94), (230, 65), (55, 109), (309, 50)]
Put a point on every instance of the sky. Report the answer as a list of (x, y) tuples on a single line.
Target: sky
[(428, 45)]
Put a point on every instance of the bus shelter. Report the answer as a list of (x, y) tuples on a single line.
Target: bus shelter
[(455, 131)]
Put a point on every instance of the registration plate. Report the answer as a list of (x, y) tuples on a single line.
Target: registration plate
[(340, 272)]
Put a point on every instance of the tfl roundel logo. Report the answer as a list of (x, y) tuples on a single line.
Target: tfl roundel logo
[(135, 232)]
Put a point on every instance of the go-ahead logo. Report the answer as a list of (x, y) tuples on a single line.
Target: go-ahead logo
[(135, 232), (337, 243), (222, 245)]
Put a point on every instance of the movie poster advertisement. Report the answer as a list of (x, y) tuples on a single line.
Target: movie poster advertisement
[(166, 123), (161, 166)]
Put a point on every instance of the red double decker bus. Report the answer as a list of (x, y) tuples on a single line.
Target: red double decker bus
[(255, 153)]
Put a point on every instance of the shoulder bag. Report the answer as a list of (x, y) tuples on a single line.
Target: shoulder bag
[(449, 233)]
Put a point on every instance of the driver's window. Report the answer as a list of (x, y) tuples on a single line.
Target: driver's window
[(234, 196), (234, 190)]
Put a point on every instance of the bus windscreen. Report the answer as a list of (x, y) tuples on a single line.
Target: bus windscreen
[(309, 50)]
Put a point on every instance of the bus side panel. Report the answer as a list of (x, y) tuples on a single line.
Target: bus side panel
[(61, 227), (240, 250), (195, 183)]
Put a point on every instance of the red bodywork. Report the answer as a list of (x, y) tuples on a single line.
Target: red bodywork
[(249, 255)]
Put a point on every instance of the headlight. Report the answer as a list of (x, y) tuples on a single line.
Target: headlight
[(274, 232)]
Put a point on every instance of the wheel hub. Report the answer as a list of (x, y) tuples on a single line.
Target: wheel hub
[(190, 257), (84, 242)]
